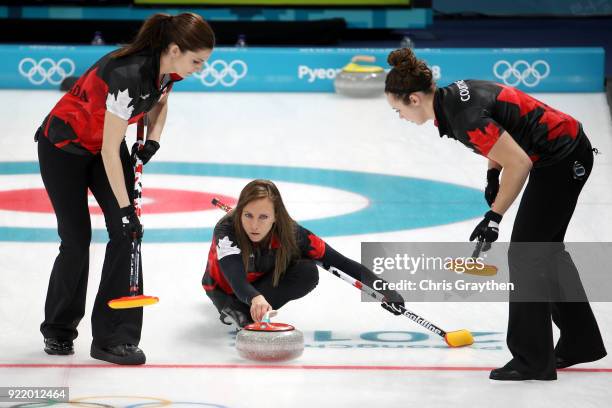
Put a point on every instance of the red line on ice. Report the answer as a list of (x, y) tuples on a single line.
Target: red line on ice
[(288, 367)]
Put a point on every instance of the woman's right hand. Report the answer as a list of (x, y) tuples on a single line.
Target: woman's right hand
[(259, 307), (132, 228)]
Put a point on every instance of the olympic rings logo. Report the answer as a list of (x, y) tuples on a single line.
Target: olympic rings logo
[(521, 72), (220, 72), (46, 70), (112, 401)]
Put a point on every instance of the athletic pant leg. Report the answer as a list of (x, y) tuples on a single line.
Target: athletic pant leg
[(65, 178), (221, 299), (543, 216), (299, 279), (580, 338), (114, 326)]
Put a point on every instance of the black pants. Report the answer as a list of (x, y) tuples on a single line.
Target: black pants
[(67, 177), (299, 279), (544, 214)]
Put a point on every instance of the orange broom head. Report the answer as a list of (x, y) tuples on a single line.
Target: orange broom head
[(129, 302), (459, 338)]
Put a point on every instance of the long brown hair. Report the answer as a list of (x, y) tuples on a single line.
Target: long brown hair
[(409, 74), (283, 228), (187, 30)]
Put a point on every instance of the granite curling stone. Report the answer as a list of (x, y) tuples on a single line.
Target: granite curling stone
[(360, 81), (267, 341)]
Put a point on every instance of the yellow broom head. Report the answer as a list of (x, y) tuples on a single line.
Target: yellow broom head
[(459, 266), (129, 302), (459, 338)]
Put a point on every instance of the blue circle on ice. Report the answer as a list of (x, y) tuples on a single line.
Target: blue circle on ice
[(395, 202)]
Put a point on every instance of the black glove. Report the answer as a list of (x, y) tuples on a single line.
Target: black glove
[(492, 185), (487, 230), (131, 224), (393, 301), (147, 151)]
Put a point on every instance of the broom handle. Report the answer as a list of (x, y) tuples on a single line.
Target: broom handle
[(135, 252), (138, 167)]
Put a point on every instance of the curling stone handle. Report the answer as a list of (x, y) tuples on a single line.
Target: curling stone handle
[(364, 58), (268, 315)]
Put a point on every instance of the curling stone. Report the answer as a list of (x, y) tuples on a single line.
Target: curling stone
[(361, 81), (267, 341)]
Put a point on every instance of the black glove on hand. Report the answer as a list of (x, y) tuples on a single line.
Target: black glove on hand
[(492, 185), (392, 302), (487, 230), (147, 151), (131, 224)]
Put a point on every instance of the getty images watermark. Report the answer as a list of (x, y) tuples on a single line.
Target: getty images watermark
[(521, 272), (421, 264)]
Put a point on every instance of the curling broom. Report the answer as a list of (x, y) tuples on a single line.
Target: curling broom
[(134, 299)]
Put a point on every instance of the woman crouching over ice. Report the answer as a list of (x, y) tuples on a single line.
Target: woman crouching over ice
[(260, 259)]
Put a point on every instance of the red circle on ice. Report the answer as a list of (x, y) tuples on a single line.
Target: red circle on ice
[(155, 201)]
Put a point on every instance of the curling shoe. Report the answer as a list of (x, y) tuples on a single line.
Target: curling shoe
[(510, 374), (562, 362), (122, 354), (235, 317), (58, 347)]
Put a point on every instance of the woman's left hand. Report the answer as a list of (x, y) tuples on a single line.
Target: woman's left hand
[(393, 301), (259, 307)]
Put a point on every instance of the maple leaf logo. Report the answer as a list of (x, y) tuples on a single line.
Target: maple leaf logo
[(317, 247), (484, 141), (119, 105), (559, 124), (225, 247), (525, 103)]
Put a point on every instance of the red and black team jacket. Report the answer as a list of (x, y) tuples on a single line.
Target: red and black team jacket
[(225, 269), (128, 87), (476, 113)]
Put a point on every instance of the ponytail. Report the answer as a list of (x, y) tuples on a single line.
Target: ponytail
[(187, 30)]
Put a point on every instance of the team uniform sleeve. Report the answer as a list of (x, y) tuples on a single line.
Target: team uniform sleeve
[(123, 91), (315, 248), (476, 129), (229, 257)]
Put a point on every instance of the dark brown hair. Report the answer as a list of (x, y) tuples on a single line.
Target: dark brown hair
[(283, 228), (409, 74), (187, 30)]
